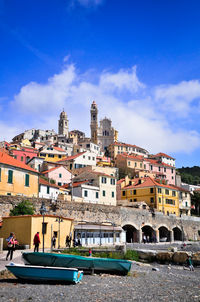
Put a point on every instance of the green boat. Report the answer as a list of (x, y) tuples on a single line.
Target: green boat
[(106, 265)]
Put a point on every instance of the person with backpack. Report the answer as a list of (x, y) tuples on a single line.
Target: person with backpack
[(12, 242)]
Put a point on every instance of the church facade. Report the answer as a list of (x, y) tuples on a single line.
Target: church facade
[(102, 135)]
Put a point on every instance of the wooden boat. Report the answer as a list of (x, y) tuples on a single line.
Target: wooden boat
[(46, 273), (106, 265)]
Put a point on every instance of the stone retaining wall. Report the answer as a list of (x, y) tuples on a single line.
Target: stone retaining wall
[(100, 213)]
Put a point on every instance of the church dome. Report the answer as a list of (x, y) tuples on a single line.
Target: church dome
[(63, 114)]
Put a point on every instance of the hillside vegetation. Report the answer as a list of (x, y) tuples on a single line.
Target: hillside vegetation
[(190, 175)]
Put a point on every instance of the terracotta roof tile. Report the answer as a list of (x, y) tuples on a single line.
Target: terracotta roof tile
[(8, 160), (71, 157)]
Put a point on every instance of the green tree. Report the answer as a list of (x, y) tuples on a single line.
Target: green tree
[(23, 208), (195, 200)]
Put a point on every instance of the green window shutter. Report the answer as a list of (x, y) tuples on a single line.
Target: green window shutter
[(27, 180), (10, 176), (47, 189)]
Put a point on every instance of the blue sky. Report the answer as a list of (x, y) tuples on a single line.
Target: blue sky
[(139, 60)]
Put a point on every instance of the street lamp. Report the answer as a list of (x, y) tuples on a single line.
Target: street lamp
[(43, 210), (59, 220)]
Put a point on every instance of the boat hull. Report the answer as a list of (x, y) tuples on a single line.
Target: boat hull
[(106, 265), (29, 272)]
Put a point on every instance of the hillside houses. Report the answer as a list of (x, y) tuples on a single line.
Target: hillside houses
[(96, 169)]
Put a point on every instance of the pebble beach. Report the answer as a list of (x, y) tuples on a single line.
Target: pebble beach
[(166, 283)]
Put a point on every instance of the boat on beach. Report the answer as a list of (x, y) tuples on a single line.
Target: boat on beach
[(46, 273), (106, 265)]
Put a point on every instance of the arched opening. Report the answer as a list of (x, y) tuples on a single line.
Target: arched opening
[(131, 233), (148, 234), (164, 234), (177, 234)]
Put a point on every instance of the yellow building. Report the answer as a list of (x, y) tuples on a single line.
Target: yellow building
[(17, 178), (25, 227), (120, 148), (163, 198), (52, 153)]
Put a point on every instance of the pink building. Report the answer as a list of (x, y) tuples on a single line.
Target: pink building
[(60, 175), (23, 154), (161, 170)]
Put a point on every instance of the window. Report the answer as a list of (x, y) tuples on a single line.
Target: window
[(129, 163), (140, 165), (173, 193), (159, 190), (185, 194), (123, 193), (85, 193), (104, 193), (83, 156), (172, 170), (10, 176), (135, 164), (60, 184), (170, 201), (145, 166), (113, 194), (48, 189), (159, 169), (134, 192), (51, 155), (88, 157), (27, 180), (59, 156), (93, 158), (97, 194), (164, 169), (151, 167), (60, 175), (103, 180), (22, 158), (135, 199), (166, 191), (9, 194), (186, 204), (112, 181), (152, 200), (159, 199), (151, 190)]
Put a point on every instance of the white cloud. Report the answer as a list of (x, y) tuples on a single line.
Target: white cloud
[(178, 98), (140, 120), (85, 3), (122, 80)]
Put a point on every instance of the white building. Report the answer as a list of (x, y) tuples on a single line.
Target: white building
[(164, 158), (47, 190), (36, 163), (86, 191), (105, 183), (79, 160)]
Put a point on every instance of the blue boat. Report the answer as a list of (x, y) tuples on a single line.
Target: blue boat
[(45, 273)]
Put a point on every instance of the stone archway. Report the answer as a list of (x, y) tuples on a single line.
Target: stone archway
[(148, 233), (131, 233), (164, 234), (177, 234)]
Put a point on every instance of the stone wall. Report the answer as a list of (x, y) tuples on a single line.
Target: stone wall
[(101, 213)]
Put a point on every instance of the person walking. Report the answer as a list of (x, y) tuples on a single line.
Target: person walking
[(36, 242), (190, 263), (54, 241), (12, 242)]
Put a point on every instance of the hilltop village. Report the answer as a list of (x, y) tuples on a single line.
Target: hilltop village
[(68, 167)]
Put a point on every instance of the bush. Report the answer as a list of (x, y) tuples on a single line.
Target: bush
[(23, 208), (131, 255)]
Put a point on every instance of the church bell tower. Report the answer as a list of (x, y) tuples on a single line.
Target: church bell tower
[(94, 122), (63, 127)]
